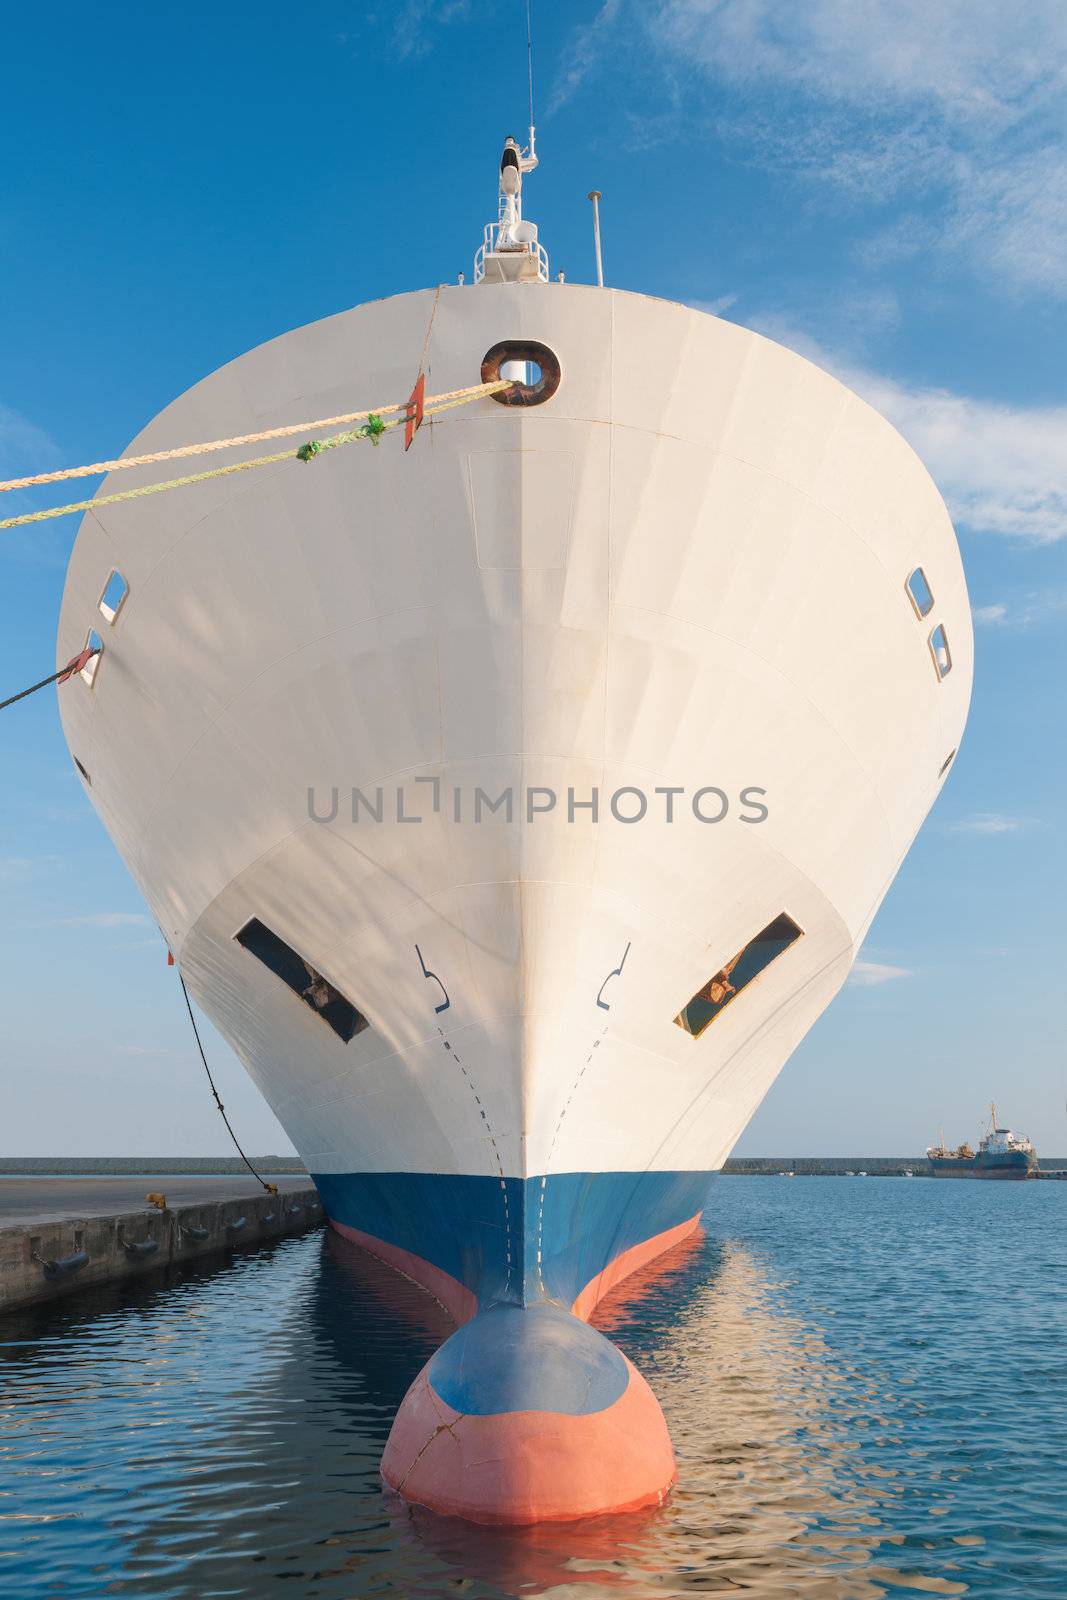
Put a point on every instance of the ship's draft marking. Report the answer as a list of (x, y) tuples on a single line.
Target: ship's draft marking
[(548, 1159), (492, 1139)]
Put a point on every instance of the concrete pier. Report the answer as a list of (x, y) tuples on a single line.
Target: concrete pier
[(58, 1235)]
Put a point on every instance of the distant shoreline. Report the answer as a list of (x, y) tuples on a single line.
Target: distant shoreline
[(737, 1166)]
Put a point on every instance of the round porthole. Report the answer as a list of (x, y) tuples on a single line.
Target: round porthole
[(533, 368)]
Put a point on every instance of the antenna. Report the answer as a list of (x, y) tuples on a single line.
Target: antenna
[(595, 196), (529, 65)]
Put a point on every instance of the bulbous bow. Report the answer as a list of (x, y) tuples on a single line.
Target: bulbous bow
[(527, 1414)]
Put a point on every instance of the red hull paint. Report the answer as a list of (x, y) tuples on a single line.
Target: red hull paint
[(522, 1467), (630, 1261), (457, 1300), (518, 1468)]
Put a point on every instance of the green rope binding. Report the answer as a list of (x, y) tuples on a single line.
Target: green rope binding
[(372, 429)]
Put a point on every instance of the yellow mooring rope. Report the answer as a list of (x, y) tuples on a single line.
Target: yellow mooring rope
[(373, 428)]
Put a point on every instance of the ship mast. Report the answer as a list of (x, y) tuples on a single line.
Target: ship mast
[(510, 251)]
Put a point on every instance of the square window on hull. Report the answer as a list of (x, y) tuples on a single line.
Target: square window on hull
[(321, 996), (715, 995)]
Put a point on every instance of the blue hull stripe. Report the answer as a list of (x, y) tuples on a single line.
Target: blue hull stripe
[(515, 1358), (581, 1222)]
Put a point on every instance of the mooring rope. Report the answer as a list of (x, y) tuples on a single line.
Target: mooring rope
[(271, 1188), (433, 401), (75, 664), (372, 429)]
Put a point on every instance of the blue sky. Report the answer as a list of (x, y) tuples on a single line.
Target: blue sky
[(880, 183)]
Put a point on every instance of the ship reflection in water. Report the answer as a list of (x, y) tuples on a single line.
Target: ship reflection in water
[(847, 1424), (774, 1496)]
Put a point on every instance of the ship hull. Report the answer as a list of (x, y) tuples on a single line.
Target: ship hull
[(1012, 1165), (566, 758), (580, 1233)]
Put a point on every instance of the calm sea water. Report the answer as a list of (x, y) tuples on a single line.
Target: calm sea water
[(864, 1379)]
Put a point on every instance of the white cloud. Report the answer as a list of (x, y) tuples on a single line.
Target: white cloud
[(1035, 608), (987, 822), (971, 61), (415, 21), (23, 447), (868, 974), (715, 308), (15, 869), (1002, 469), (23, 869), (108, 919), (583, 54), (957, 104)]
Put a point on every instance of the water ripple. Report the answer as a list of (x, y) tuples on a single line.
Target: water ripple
[(864, 1382)]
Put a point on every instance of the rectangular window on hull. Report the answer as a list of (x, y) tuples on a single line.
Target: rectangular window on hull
[(940, 651), (715, 995), (114, 596), (920, 594), (326, 1001)]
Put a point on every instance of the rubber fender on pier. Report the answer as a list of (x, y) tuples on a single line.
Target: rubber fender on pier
[(66, 1266), (138, 1249), (236, 1225), (194, 1232)]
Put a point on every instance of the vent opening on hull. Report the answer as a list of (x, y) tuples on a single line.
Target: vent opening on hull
[(947, 763), (940, 651), (315, 991), (533, 368), (715, 995), (82, 770), (920, 593)]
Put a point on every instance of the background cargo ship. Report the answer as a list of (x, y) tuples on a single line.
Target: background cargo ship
[(680, 570), (1001, 1154)]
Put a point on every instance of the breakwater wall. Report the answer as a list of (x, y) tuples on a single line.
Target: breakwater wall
[(841, 1166)]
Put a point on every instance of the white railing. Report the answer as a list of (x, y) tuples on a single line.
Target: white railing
[(490, 247)]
